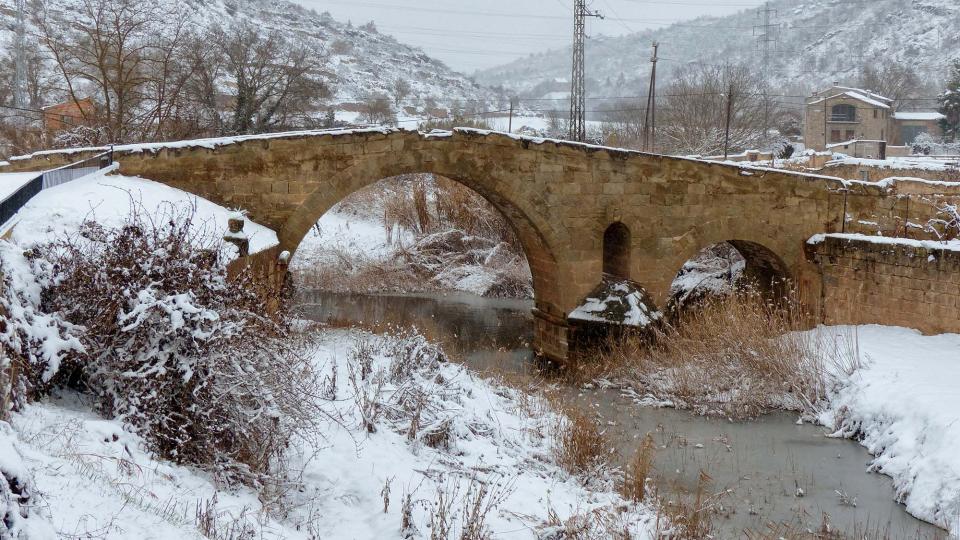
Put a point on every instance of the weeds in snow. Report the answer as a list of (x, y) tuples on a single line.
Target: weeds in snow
[(737, 356)]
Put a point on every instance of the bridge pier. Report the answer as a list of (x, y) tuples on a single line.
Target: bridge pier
[(551, 333)]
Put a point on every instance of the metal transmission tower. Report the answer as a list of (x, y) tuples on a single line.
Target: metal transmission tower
[(578, 121), (20, 61), (650, 120), (768, 35)]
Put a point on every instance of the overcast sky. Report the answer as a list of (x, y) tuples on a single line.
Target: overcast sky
[(470, 35)]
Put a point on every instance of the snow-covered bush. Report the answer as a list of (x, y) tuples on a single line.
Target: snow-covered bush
[(946, 225), (176, 350), (33, 344), (926, 144)]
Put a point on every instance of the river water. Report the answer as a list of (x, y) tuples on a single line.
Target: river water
[(770, 470)]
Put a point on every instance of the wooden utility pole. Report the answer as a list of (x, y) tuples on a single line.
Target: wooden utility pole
[(510, 121), (726, 134), (650, 120)]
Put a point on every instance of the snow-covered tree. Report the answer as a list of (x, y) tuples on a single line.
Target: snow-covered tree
[(950, 104)]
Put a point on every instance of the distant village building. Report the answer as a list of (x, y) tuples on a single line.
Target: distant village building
[(67, 115), (861, 123)]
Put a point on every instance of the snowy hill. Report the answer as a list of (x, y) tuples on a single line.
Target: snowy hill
[(820, 41), (360, 61)]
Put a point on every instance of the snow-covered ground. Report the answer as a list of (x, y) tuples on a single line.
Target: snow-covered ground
[(108, 199), (470, 437), (904, 407)]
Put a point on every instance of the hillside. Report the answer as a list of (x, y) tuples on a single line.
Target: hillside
[(360, 61), (820, 41)]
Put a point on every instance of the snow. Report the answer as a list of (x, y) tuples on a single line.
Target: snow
[(339, 232), (858, 95), (921, 163), (904, 407), (107, 199), (909, 115), (11, 182), (97, 479), (950, 245), (617, 302), (210, 143)]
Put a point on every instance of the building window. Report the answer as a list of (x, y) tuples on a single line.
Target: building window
[(851, 135), (834, 135), (875, 113), (843, 113)]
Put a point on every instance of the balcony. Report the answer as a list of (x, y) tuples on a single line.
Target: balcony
[(843, 119)]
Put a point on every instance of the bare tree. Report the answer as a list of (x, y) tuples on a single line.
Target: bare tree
[(103, 52), (622, 124), (274, 82), (377, 110), (401, 89), (895, 81), (130, 56), (692, 118)]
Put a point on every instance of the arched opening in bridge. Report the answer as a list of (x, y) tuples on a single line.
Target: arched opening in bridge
[(616, 251), (727, 268), (423, 251)]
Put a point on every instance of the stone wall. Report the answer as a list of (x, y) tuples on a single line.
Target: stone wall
[(871, 173), (911, 284)]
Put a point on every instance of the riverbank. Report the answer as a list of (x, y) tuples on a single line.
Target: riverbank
[(770, 468), (903, 405), (412, 438)]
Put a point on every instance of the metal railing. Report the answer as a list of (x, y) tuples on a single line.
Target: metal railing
[(48, 179)]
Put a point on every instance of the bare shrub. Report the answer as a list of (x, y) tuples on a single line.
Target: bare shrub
[(737, 356), (946, 225), (174, 349), (475, 506)]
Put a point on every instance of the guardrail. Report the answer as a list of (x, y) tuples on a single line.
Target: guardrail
[(48, 179)]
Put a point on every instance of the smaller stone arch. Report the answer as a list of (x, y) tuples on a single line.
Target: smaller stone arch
[(730, 265), (616, 251)]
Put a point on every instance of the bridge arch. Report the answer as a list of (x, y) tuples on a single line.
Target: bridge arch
[(549, 315)]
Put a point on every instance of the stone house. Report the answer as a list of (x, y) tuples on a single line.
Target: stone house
[(840, 116)]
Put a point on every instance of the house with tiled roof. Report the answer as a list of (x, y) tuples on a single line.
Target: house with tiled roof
[(844, 118)]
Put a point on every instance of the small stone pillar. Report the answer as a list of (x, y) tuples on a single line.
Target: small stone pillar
[(235, 234)]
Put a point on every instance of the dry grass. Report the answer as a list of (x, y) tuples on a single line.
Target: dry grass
[(636, 485), (684, 518), (738, 356), (582, 447)]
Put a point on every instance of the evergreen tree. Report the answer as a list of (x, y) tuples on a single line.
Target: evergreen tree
[(950, 104)]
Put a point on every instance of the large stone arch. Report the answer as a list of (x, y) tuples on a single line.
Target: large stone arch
[(550, 309)]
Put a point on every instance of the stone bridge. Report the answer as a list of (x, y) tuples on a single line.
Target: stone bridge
[(578, 210)]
